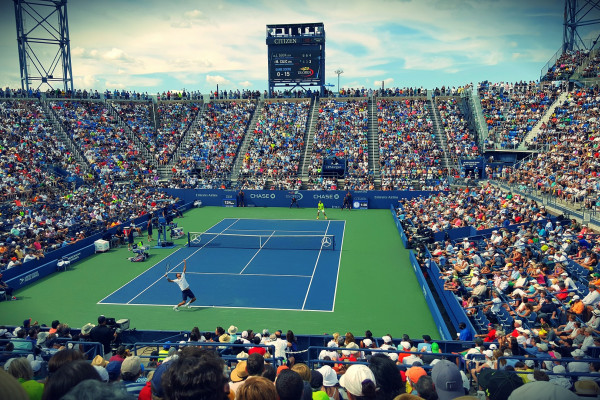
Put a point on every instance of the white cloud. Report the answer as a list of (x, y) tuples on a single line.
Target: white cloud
[(387, 82), (217, 80), (86, 81), (115, 85), (245, 84), (418, 62), (116, 54), (194, 14)]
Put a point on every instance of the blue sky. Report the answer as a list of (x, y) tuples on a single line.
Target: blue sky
[(152, 45)]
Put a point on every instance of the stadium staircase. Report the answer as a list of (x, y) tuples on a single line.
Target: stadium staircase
[(166, 171), (62, 135), (144, 150), (438, 130), (373, 142), (475, 113), (239, 158), (309, 139), (545, 118)]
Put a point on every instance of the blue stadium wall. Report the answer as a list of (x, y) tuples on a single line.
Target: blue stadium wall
[(306, 198)]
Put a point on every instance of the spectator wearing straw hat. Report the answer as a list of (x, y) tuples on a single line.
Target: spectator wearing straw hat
[(237, 376)]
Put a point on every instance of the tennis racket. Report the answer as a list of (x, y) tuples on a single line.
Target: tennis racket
[(168, 267)]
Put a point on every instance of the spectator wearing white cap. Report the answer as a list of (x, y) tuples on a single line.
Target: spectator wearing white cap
[(569, 283), (330, 382), (388, 344), (359, 382), (578, 366)]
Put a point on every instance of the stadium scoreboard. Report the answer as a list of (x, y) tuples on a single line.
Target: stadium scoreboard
[(296, 55)]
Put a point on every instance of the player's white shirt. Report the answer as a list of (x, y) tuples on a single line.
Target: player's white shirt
[(182, 282)]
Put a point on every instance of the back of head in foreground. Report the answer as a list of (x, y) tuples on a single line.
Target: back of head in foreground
[(195, 378), (256, 388), (289, 385), (67, 377), (92, 389), (10, 387)]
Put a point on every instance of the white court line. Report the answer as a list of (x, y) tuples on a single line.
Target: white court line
[(287, 219), (142, 273), (257, 251), (338, 268), (140, 293), (237, 274), (314, 269), (276, 230), (213, 306)]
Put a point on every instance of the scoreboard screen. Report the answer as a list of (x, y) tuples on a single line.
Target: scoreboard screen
[(295, 64), (296, 54)]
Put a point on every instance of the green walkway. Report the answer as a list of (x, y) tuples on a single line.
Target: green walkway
[(377, 288)]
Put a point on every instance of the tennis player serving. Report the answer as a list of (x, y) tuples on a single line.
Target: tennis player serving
[(321, 209), (184, 286)]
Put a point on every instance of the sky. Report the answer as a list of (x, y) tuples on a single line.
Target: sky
[(156, 45)]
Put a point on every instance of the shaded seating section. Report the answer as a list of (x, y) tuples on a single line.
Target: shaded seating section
[(208, 156), (565, 65), (592, 69), (341, 132), (462, 142), (139, 117), (173, 120), (276, 146), (107, 148), (512, 109)]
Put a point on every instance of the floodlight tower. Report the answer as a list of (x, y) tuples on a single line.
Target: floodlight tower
[(579, 13), (44, 44)]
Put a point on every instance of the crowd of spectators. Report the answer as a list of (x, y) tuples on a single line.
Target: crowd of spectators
[(277, 143), (174, 119), (245, 94), (396, 92), (481, 208), (565, 65), (169, 95), (29, 148), (461, 140), (569, 168), (532, 292), (592, 69), (39, 365), (512, 110), (49, 218), (208, 156), (106, 146), (139, 117), (341, 132), (407, 146)]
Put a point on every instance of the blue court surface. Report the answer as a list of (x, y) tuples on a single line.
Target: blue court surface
[(248, 263)]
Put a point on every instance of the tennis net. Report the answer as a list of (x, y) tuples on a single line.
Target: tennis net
[(277, 242)]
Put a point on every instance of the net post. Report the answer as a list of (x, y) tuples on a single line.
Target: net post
[(189, 244), (332, 242)]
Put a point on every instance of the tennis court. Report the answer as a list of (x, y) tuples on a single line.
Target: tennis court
[(246, 263)]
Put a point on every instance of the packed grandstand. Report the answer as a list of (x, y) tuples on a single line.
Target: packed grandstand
[(505, 238)]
